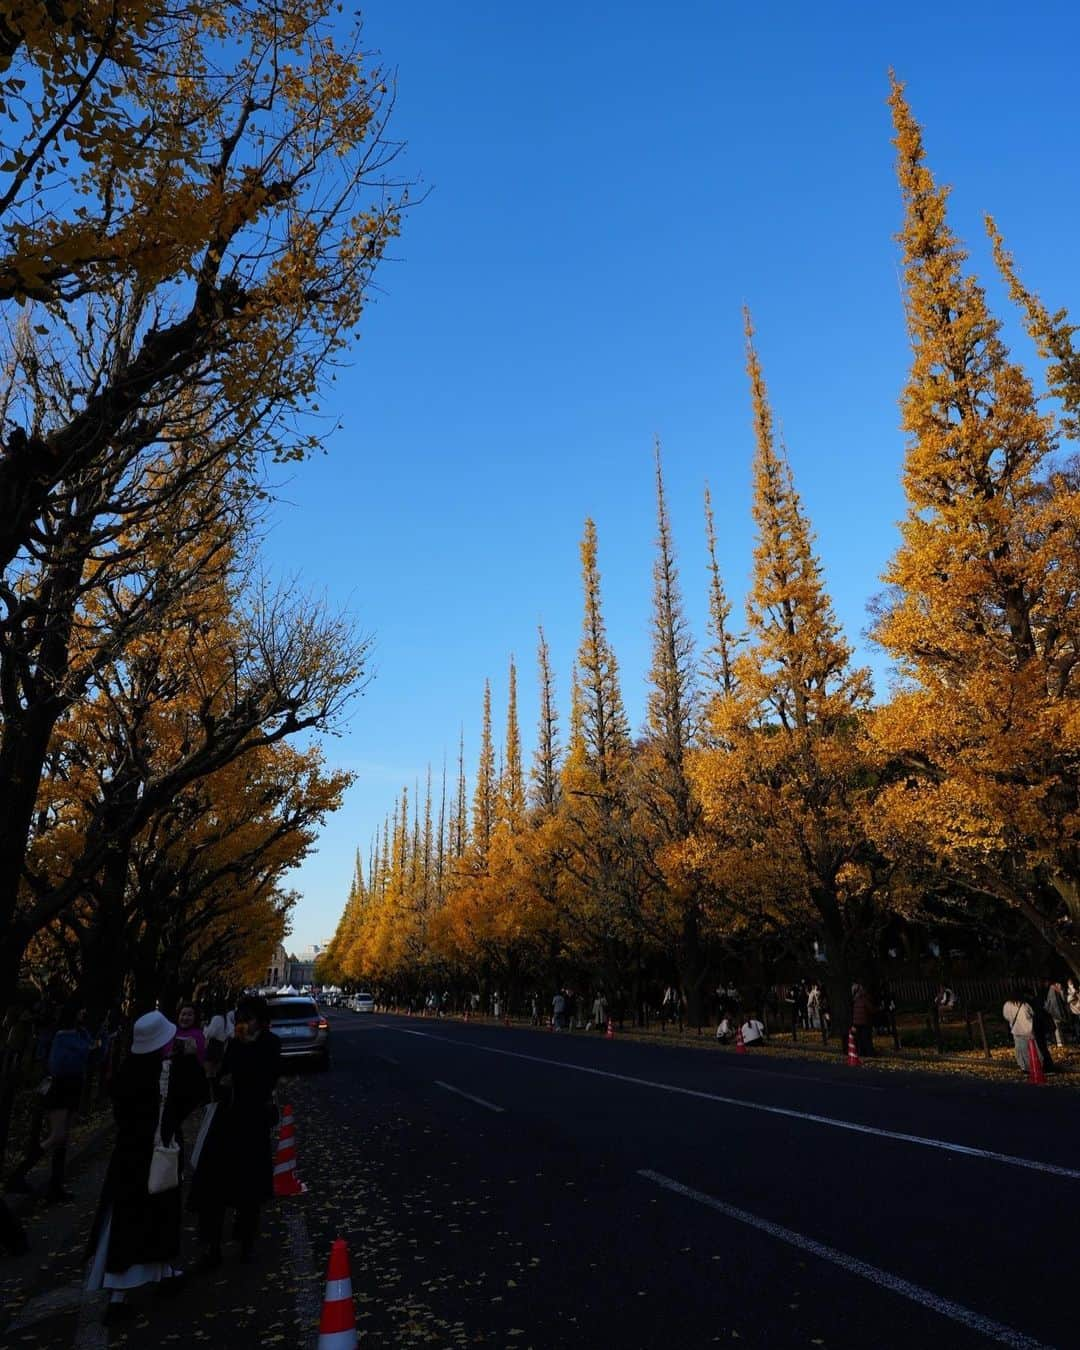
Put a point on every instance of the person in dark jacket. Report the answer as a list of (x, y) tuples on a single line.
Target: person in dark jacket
[(66, 1069), (236, 1166), (1057, 1010), (135, 1239)]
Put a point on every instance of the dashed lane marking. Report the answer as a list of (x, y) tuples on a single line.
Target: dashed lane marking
[(884, 1279), (468, 1095), (832, 1122)]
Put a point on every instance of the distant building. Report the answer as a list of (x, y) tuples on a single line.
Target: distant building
[(277, 972), (301, 968)]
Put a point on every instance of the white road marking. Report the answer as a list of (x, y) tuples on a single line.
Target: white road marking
[(389, 1059), (944, 1145), (925, 1298), (478, 1100)]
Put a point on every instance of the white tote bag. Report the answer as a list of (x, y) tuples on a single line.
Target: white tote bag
[(165, 1161)]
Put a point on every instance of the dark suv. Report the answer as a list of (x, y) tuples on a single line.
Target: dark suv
[(302, 1029)]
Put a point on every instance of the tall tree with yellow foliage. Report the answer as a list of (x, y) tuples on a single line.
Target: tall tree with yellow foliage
[(485, 793), (512, 782), (602, 876), (545, 774), (982, 615), (225, 165), (667, 810), (790, 764)]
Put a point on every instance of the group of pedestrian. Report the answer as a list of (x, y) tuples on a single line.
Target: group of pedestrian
[(1032, 1020), (230, 1070), (808, 1006), (1062, 1006), (169, 1071), (751, 1028)]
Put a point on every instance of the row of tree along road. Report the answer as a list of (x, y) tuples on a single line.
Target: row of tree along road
[(771, 806), (194, 197)]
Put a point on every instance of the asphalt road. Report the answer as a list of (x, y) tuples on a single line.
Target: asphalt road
[(516, 1188), (529, 1188)]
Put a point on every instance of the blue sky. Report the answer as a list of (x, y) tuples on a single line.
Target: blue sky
[(609, 184)]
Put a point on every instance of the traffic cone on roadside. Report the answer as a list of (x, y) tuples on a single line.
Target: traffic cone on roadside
[(466, 1014), (286, 1182), (1035, 1066), (610, 1033), (337, 1325), (852, 1050), (740, 1044)]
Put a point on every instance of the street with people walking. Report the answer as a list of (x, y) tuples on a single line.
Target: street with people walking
[(539, 675), (512, 1186)]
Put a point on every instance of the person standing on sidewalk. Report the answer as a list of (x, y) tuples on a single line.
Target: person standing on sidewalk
[(189, 1030), (63, 1086), (236, 1166), (135, 1239), (1057, 1010), (1072, 998), (1020, 1016), (813, 1006)]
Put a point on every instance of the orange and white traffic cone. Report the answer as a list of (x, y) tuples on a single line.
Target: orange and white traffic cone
[(740, 1044), (852, 1050), (337, 1325), (286, 1182), (1036, 1075), (610, 1033)]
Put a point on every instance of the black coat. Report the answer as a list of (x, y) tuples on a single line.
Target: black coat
[(145, 1227), (236, 1166)]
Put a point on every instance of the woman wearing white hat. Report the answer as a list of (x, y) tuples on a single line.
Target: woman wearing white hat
[(136, 1235)]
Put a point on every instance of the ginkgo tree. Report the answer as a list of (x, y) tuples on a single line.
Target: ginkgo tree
[(791, 763), (770, 801), (229, 164), (982, 614), (193, 202)]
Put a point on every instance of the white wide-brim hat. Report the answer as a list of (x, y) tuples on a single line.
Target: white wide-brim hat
[(153, 1031)]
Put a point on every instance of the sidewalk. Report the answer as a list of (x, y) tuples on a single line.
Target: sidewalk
[(246, 1307), (46, 1283)]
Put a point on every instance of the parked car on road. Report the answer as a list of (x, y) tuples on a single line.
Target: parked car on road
[(302, 1029)]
